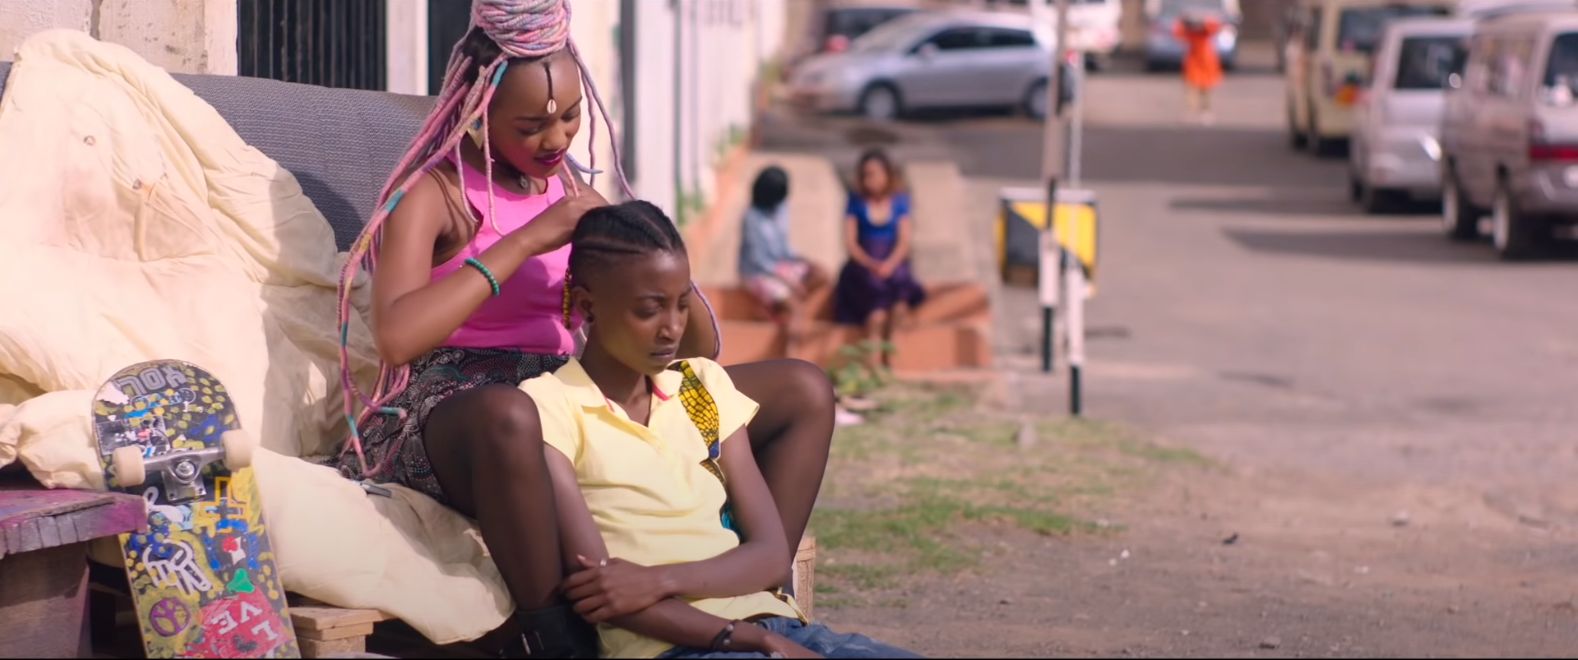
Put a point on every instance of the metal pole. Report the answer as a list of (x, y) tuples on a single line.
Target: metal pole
[(1075, 277), (1051, 165), (1076, 131), (1047, 286)]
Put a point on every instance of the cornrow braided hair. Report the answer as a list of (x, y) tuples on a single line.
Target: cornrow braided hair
[(503, 33), (611, 233)]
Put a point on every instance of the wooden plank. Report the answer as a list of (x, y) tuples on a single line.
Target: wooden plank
[(43, 602), (331, 634), (328, 618), (315, 648), (342, 648), (34, 518), (805, 575)]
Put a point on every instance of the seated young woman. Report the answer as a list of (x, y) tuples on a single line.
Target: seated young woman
[(467, 252), (674, 544)]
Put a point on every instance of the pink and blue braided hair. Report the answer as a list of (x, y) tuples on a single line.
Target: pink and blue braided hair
[(523, 30)]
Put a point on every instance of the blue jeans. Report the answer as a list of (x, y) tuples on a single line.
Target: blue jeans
[(818, 638)]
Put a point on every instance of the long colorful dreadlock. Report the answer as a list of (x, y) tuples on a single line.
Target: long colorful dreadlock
[(524, 31)]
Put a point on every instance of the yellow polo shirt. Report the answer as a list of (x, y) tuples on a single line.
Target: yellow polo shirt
[(645, 485)]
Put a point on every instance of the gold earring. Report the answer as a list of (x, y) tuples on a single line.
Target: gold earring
[(567, 301), (476, 133)]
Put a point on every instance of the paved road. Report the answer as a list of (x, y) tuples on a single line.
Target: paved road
[(1240, 288), (1247, 310)]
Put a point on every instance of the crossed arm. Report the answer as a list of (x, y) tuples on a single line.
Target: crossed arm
[(646, 600)]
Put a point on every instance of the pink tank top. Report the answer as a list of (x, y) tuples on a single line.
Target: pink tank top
[(528, 313)]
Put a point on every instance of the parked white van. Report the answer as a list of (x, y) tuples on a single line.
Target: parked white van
[(1395, 152), (1329, 61)]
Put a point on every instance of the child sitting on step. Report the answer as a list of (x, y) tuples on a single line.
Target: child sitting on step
[(777, 276)]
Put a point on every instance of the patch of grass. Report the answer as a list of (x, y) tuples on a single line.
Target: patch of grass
[(1159, 454), (902, 488), (859, 575)]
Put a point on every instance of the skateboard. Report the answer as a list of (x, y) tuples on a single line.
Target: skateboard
[(203, 577)]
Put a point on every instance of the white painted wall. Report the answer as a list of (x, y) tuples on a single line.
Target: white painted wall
[(725, 44), (652, 110), (186, 36), (722, 51), (406, 47), (594, 26)]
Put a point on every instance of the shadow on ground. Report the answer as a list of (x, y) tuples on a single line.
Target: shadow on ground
[(1202, 156), (1419, 246)]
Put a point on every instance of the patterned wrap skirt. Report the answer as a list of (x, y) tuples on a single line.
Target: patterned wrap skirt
[(436, 376)]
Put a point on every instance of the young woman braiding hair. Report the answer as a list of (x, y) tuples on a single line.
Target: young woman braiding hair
[(468, 255)]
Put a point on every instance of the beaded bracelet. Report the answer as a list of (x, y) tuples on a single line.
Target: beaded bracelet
[(492, 282), (724, 639)]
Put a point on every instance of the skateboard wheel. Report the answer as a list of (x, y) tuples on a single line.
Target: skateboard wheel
[(238, 449), (129, 468)]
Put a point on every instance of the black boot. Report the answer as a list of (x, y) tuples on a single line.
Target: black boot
[(552, 632)]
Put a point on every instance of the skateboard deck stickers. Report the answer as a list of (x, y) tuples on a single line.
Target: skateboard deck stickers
[(203, 577)]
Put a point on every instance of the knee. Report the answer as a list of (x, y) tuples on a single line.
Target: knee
[(505, 420), (808, 386)]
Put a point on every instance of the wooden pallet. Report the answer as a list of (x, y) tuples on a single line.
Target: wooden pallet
[(325, 631), (44, 536), (805, 574)]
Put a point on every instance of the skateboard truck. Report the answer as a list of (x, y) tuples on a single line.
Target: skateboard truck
[(182, 469)]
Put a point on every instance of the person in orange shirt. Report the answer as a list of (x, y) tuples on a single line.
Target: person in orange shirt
[(1202, 68)]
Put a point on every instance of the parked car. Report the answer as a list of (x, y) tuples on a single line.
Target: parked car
[(840, 23), (1509, 132), (1163, 49), (1394, 152), (1329, 59), (1095, 27), (932, 60)]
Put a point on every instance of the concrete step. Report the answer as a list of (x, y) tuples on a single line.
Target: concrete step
[(923, 348), (945, 302)]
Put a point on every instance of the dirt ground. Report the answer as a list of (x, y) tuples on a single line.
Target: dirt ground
[(940, 532)]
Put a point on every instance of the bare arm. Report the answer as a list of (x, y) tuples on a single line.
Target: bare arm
[(852, 244), (411, 313), (758, 563), (901, 250), (669, 619)]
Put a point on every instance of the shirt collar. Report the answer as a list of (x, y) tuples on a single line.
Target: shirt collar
[(586, 393)]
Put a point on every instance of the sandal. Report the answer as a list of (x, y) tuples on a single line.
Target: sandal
[(552, 632)]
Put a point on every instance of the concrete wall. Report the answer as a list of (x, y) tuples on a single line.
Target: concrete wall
[(406, 48), (595, 28), (187, 36), (721, 49)]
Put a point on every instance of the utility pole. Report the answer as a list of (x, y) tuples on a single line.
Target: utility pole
[(1052, 164)]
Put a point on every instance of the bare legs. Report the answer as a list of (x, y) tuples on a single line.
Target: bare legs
[(486, 448), (880, 326), (792, 312), (1199, 101), (790, 435)]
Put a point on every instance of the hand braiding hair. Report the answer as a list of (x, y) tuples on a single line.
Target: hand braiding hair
[(622, 230), (523, 31)]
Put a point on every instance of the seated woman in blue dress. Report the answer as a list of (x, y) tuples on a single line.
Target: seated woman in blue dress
[(876, 288)]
